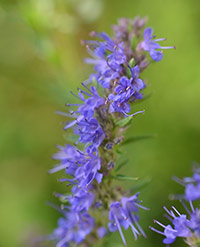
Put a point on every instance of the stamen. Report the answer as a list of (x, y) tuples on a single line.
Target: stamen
[(65, 114), (131, 115), (167, 217), (140, 206), (168, 211), (62, 242), (138, 226), (120, 230), (155, 230), (160, 224), (57, 168), (161, 39), (176, 210), (191, 205), (167, 47), (157, 222), (186, 208), (73, 104), (75, 95), (134, 230), (80, 90), (86, 87)]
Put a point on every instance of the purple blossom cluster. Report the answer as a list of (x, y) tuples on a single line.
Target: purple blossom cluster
[(89, 164), (186, 226), (125, 213), (192, 185)]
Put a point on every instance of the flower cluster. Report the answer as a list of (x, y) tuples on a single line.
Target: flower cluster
[(192, 185), (98, 122), (186, 225)]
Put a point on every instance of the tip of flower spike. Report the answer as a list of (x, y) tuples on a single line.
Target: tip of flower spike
[(83, 42), (93, 34)]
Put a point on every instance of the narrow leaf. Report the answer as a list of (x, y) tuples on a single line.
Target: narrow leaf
[(124, 122), (140, 184), (123, 163), (131, 62), (124, 178), (118, 151), (133, 43), (138, 138)]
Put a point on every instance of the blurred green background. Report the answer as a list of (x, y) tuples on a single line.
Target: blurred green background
[(41, 60)]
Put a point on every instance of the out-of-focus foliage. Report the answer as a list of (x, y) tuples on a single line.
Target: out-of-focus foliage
[(41, 60)]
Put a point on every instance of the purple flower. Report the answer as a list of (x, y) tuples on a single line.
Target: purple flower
[(117, 218), (90, 132), (194, 223), (108, 57), (69, 158), (86, 171), (127, 89), (119, 104), (91, 103), (102, 231), (183, 227), (152, 46), (81, 200), (131, 205), (89, 171), (105, 72), (192, 185), (125, 214), (87, 109), (192, 192), (73, 227)]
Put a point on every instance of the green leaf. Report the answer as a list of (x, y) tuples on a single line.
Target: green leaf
[(140, 184), (124, 178), (118, 151), (72, 138), (131, 62), (138, 138), (124, 122), (123, 163), (133, 43), (94, 80)]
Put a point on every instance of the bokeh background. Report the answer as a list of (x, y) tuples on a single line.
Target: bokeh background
[(41, 60)]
